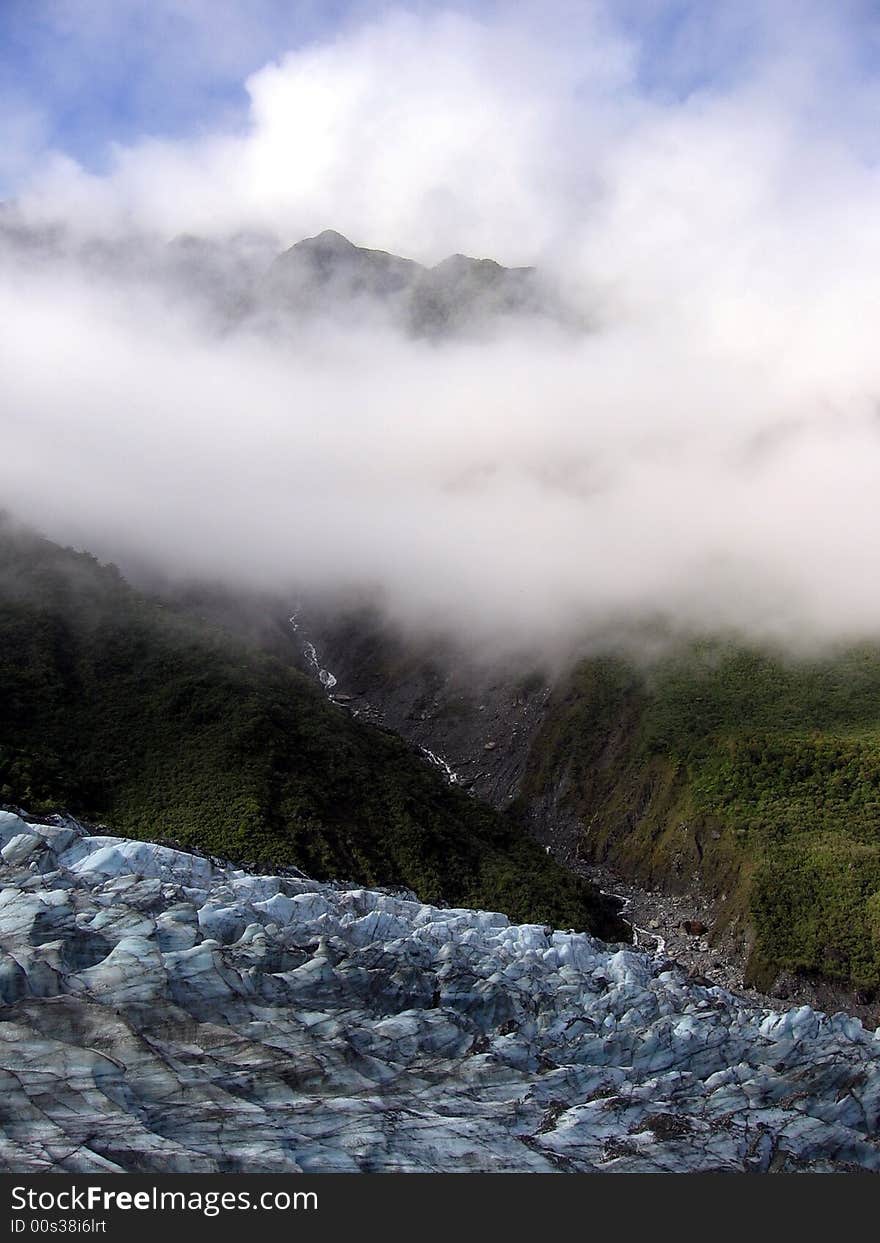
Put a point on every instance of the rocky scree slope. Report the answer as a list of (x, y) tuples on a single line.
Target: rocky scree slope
[(166, 1012), (478, 719)]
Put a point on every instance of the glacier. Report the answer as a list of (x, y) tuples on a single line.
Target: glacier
[(168, 1012)]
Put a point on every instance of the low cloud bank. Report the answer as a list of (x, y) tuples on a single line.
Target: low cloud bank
[(702, 452)]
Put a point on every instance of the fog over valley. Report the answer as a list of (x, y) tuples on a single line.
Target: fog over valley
[(669, 422)]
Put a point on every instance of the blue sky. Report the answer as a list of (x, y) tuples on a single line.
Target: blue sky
[(80, 76), (89, 73), (84, 74)]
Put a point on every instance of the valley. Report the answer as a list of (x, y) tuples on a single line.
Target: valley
[(638, 776)]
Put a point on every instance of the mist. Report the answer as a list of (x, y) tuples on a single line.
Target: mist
[(696, 445)]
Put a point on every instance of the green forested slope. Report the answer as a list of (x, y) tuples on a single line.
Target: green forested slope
[(758, 773), (121, 710)]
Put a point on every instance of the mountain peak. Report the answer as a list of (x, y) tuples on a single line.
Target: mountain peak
[(328, 240)]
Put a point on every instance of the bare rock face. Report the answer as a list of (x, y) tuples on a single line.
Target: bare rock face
[(165, 1012), (461, 294)]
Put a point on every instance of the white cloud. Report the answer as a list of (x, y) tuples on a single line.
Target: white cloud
[(424, 134), (709, 453)]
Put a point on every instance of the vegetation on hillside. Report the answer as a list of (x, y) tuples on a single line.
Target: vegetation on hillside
[(128, 712), (758, 773)]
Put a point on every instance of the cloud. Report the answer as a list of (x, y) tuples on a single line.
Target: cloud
[(111, 71), (707, 454), (422, 134)]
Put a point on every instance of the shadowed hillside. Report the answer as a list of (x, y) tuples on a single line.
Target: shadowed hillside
[(123, 710)]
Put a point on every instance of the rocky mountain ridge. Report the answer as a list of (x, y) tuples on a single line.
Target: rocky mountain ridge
[(323, 273), (250, 281)]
